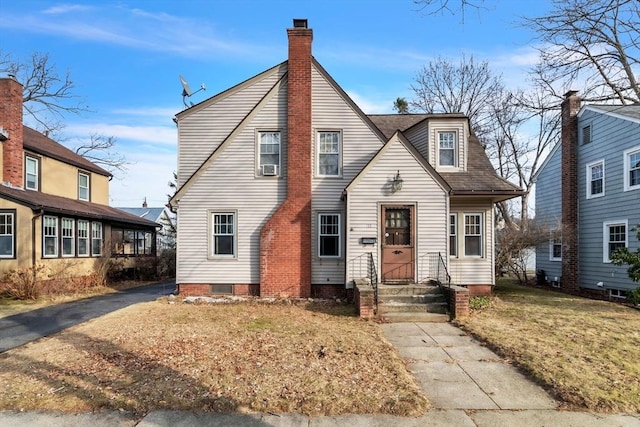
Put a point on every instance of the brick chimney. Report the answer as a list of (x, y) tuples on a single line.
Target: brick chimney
[(570, 107), (285, 240), (11, 124)]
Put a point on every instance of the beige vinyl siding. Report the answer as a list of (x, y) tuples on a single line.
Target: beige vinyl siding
[(473, 270), (359, 144), (200, 132), (460, 127), (230, 185), (372, 190), (419, 137)]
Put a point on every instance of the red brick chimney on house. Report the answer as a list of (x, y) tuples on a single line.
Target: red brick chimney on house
[(285, 240), (570, 108), (11, 135)]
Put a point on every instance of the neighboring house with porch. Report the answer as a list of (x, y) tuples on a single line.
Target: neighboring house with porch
[(54, 203), (588, 195), (166, 235), (286, 188)]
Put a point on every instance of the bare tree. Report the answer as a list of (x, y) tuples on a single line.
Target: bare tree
[(100, 150), (595, 43), (432, 7)]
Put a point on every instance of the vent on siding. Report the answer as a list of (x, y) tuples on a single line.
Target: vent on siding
[(222, 289), (586, 134)]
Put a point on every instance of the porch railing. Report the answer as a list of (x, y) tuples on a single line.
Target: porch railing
[(431, 267), (373, 276), (364, 267)]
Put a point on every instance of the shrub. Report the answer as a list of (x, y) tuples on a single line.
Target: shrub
[(22, 283), (634, 296), (479, 303)]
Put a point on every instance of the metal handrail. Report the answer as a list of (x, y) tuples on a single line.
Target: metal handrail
[(373, 276)]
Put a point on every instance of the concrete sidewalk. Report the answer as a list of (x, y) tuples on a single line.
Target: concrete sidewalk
[(467, 384)]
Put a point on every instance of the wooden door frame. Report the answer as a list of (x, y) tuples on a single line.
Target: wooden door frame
[(412, 206)]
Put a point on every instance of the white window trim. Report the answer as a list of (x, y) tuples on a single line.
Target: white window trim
[(88, 186), (72, 237), (456, 142), (12, 234), (627, 181), (453, 223), (320, 215), (37, 172), (589, 180), (94, 227), (605, 237), (552, 243), (340, 148), (259, 153), (45, 236), (87, 238), (482, 234), (211, 246)]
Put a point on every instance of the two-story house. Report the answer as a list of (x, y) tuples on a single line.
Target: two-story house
[(285, 186), (588, 195), (54, 204)]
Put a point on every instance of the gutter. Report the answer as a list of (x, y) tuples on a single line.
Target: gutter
[(33, 240)]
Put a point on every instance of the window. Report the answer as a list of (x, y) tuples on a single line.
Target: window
[(473, 235), (614, 237), (224, 234), (555, 247), (595, 179), (83, 237), (329, 153), (31, 166), (632, 169), (7, 234), (131, 242), (618, 293), (586, 134), (329, 235), (68, 237), (83, 186), (96, 238), (447, 148), (269, 149), (50, 236), (453, 235)]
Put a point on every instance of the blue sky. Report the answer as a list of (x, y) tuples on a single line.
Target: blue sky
[(125, 58)]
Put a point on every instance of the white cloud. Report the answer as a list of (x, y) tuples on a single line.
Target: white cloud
[(147, 178), (159, 135), (371, 106), (65, 8)]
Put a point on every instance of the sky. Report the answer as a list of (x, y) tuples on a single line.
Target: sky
[(125, 59)]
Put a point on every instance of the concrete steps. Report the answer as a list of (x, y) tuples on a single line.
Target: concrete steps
[(411, 303)]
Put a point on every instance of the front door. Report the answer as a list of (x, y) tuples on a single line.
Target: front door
[(398, 244)]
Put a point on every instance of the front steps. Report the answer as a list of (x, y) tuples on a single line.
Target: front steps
[(411, 303)]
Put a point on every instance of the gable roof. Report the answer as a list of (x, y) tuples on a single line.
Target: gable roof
[(38, 143), (625, 112), (390, 123), (63, 205)]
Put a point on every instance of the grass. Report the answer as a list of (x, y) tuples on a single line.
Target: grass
[(266, 357), (586, 352)]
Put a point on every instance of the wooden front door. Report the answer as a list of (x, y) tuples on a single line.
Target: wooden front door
[(398, 244)]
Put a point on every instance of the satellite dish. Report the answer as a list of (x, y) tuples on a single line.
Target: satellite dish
[(186, 90)]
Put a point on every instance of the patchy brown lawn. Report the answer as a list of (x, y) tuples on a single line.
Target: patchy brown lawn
[(586, 351), (281, 357)]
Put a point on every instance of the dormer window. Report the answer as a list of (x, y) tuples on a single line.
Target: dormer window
[(31, 166), (446, 148), (83, 186)]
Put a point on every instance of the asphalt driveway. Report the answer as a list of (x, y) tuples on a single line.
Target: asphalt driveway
[(22, 328)]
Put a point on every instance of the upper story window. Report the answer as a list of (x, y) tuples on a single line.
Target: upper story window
[(329, 235), (473, 235), (632, 169), (83, 186), (32, 169), (586, 134), (224, 234), (7, 234), (446, 148), (595, 179), (329, 147), (614, 237), (50, 236), (269, 153)]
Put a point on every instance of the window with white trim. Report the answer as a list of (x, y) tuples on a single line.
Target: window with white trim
[(614, 237), (329, 146), (83, 186), (473, 235), (31, 166), (269, 152), (618, 293), (83, 237), (446, 148), (50, 236), (7, 234), (555, 247), (68, 237), (96, 238), (329, 235), (453, 235), (224, 234), (632, 169), (595, 179)]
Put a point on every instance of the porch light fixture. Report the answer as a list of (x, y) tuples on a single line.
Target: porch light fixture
[(396, 184)]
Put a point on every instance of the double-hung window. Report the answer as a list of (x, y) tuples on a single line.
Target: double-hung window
[(329, 153), (83, 237), (83, 186), (614, 237), (68, 237), (473, 235), (453, 235), (632, 169), (96, 238), (329, 235), (447, 148), (595, 179), (555, 247), (224, 234), (50, 236), (7, 234), (32, 169), (269, 148)]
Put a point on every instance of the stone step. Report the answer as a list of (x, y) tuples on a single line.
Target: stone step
[(398, 307), (413, 317), (412, 299), (413, 289)]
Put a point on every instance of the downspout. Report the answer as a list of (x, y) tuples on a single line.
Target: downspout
[(39, 214)]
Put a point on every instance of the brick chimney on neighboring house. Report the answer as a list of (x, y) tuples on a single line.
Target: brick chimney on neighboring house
[(570, 108), (285, 240), (11, 124)]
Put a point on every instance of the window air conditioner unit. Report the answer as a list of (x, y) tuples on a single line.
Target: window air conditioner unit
[(269, 170)]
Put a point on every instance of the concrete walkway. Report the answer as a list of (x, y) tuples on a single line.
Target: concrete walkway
[(467, 384)]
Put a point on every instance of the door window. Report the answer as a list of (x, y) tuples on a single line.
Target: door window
[(397, 226)]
